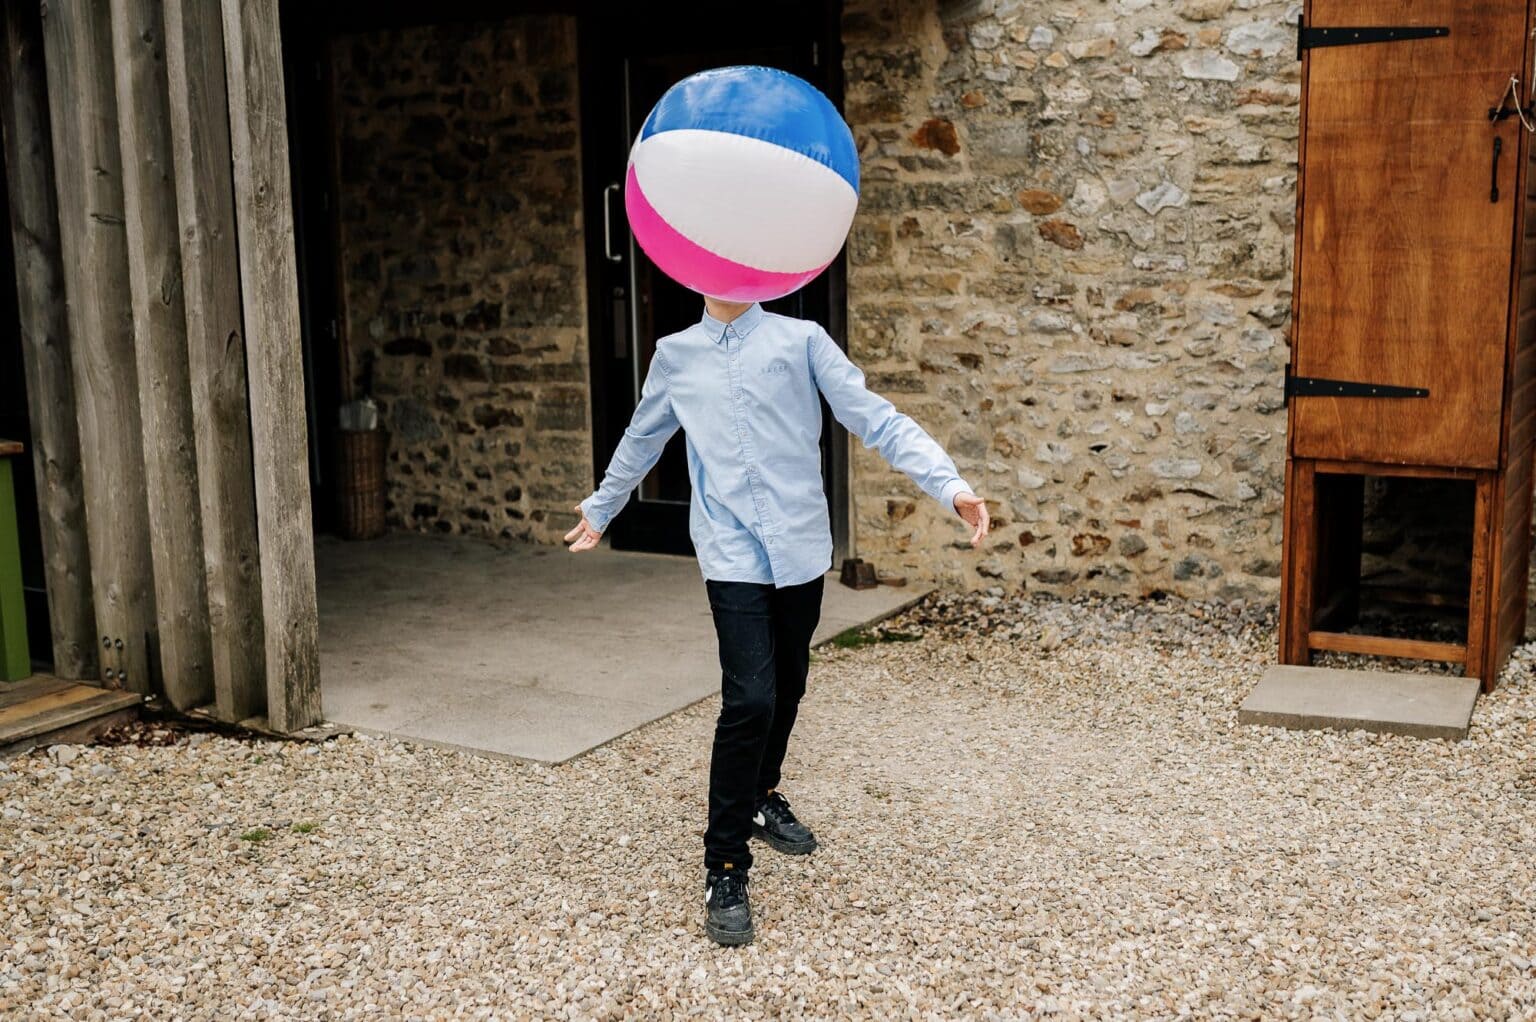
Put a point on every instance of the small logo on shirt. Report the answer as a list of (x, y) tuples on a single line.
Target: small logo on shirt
[(777, 367)]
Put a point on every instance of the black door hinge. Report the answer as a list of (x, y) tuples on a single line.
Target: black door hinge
[(1308, 37), (1315, 386)]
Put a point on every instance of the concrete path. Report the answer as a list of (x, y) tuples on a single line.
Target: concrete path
[(523, 651)]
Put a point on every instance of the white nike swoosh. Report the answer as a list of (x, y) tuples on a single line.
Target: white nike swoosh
[(758, 819)]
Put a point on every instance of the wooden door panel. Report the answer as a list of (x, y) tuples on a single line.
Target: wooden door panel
[(629, 60), (1403, 258), (1486, 36)]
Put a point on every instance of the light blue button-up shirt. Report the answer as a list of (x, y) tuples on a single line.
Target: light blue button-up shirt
[(746, 397)]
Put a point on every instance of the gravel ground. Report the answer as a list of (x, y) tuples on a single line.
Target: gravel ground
[(1026, 808)]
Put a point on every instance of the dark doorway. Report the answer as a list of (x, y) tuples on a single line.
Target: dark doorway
[(627, 63), (14, 425), (306, 82), (628, 58)]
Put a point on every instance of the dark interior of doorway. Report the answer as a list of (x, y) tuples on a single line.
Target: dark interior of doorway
[(1395, 556), (15, 425), (802, 35), (306, 75)]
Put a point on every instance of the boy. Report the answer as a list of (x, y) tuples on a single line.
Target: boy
[(743, 385)]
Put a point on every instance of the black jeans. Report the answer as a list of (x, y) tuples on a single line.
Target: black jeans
[(765, 653)]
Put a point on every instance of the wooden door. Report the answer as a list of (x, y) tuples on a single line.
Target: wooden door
[(1406, 237), (631, 64)]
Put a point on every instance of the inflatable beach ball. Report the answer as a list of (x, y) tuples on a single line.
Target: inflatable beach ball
[(743, 183)]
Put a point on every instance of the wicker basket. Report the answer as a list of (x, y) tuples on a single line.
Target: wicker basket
[(361, 489)]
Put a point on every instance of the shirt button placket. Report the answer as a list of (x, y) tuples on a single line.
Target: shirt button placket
[(738, 413)]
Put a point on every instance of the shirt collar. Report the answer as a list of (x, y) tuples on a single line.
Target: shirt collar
[(744, 324)]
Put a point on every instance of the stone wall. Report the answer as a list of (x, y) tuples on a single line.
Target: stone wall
[(463, 279), (1072, 264)]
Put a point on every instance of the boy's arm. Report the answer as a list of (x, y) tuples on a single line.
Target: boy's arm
[(876, 421), (644, 439)]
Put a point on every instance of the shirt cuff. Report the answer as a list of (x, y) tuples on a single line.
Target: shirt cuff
[(951, 490), (599, 520)]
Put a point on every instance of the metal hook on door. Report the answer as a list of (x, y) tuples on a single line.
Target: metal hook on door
[(1512, 95)]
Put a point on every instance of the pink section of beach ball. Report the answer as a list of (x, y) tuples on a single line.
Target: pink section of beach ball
[(697, 268)]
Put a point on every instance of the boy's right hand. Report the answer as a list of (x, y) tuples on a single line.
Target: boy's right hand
[(583, 537)]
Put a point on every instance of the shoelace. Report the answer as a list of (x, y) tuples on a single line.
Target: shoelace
[(728, 888), (778, 805)]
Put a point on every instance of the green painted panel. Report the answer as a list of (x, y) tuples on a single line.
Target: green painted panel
[(15, 657)]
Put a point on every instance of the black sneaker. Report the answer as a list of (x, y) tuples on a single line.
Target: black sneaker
[(775, 823), (729, 918)]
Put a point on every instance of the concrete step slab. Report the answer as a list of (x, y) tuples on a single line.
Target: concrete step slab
[(1314, 698)]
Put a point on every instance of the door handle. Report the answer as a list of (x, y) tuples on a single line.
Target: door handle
[(1498, 148), (613, 257)]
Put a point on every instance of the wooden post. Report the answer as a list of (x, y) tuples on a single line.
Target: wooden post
[(77, 44), (205, 202), (253, 65), (45, 344), (1482, 660), (160, 335)]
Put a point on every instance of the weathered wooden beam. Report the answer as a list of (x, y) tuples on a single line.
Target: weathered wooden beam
[(45, 343), (77, 45), (210, 267), (160, 344), (253, 65)]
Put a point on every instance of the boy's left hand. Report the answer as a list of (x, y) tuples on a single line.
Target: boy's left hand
[(974, 510), (583, 537)]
